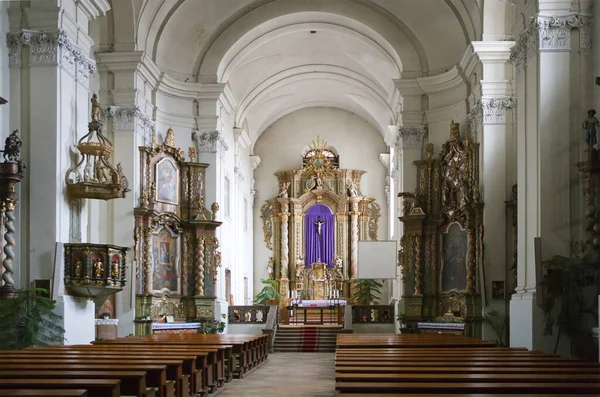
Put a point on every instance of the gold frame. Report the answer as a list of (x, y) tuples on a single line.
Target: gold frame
[(177, 177)]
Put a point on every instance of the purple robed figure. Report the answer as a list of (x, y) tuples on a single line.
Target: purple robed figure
[(319, 234)]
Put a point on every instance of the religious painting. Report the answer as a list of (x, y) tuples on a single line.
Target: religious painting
[(454, 258), (165, 255), (498, 290), (167, 181)]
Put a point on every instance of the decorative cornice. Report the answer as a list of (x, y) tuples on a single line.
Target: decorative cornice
[(51, 48), (551, 33), (241, 137), (132, 119), (474, 120), (210, 142), (93, 8), (494, 109), (411, 137), (254, 162)]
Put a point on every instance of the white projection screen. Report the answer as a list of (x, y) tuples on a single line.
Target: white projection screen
[(377, 259)]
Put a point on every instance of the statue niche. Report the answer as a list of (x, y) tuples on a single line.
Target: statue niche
[(441, 251)]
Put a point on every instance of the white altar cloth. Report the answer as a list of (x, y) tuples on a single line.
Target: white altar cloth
[(319, 302)]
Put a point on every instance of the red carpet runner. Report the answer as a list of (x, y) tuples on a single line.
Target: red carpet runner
[(309, 339)]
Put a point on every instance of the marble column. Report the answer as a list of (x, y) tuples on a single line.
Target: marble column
[(543, 63)]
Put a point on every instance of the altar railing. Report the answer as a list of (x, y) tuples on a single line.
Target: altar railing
[(256, 314), (373, 314)]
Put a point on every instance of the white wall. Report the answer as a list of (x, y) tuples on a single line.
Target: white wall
[(280, 148)]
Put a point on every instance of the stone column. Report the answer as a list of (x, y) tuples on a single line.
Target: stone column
[(543, 61), (354, 237)]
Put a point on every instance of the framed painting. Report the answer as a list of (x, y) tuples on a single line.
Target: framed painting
[(165, 258), (167, 181), (454, 258)]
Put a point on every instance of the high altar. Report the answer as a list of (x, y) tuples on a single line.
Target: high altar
[(314, 224), (176, 249), (441, 253)]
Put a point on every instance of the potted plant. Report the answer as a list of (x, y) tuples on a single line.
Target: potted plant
[(27, 319), (268, 295), (401, 320), (106, 315), (568, 303), (499, 324), (215, 326), (365, 291)]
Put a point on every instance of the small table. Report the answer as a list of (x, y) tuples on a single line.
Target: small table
[(442, 328)]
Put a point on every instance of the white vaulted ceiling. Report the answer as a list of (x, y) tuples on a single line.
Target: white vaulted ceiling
[(265, 51)]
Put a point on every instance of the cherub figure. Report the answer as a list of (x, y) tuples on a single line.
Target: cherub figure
[(283, 190)]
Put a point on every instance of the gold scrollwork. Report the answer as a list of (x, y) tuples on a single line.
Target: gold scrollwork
[(374, 215), (266, 212)]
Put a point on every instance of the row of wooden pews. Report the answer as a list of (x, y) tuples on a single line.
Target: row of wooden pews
[(436, 365), (163, 365)]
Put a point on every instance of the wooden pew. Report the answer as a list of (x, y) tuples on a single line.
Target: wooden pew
[(44, 393), (156, 375), (174, 367), (450, 365), (133, 383), (95, 387)]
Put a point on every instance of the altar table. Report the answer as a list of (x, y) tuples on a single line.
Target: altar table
[(319, 302)]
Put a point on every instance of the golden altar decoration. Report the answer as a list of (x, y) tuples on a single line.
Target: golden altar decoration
[(176, 248), (94, 177), (319, 180), (441, 253)]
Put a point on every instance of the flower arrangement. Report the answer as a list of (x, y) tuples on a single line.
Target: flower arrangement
[(106, 315)]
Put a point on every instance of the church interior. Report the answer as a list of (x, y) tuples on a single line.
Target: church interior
[(350, 197)]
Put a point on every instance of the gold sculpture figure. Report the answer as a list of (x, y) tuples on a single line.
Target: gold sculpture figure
[(283, 190), (96, 111), (170, 138), (78, 269), (98, 270), (454, 130), (115, 270), (192, 153)]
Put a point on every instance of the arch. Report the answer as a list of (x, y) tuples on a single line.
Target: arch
[(122, 26), (244, 21)]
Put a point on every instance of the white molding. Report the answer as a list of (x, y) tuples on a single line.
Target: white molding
[(391, 135), (384, 159), (173, 119), (241, 137), (93, 8), (51, 48), (255, 162), (494, 109), (492, 51), (444, 114)]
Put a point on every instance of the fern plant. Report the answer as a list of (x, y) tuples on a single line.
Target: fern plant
[(27, 320), (268, 293), (365, 291), (499, 324), (215, 326)]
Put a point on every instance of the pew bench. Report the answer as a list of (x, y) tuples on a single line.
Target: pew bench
[(44, 393), (95, 387), (133, 383)]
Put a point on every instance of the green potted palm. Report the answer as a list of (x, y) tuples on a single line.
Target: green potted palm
[(27, 320), (365, 291), (268, 295)]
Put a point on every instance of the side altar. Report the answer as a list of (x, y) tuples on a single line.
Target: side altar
[(176, 248), (441, 253), (314, 224)]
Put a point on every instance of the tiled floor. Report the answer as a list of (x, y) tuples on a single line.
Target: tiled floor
[(288, 375)]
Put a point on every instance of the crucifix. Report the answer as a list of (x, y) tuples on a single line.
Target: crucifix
[(319, 223)]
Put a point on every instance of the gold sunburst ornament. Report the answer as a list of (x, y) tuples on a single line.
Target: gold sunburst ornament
[(319, 162)]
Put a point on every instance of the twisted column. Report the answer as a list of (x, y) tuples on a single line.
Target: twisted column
[(184, 266), (8, 209), (470, 261), (199, 276), (147, 261), (418, 270), (354, 241), (285, 250)]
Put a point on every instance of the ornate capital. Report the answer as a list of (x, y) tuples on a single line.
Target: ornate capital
[(585, 31), (494, 109), (210, 142), (411, 137), (132, 119), (474, 120), (555, 31), (525, 49), (51, 48)]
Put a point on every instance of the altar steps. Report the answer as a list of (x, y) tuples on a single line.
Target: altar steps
[(306, 338)]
